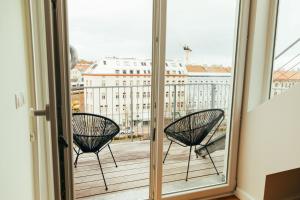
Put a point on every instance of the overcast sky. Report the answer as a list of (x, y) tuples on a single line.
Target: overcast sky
[(122, 28)]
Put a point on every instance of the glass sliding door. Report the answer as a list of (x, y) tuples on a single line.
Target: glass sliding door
[(111, 45), (164, 75), (199, 74)]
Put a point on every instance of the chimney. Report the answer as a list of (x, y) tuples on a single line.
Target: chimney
[(187, 54)]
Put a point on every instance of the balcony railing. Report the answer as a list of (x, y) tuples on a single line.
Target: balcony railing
[(130, 106)]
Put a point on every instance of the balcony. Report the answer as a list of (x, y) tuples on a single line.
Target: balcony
[(132, 175), (129, 107)]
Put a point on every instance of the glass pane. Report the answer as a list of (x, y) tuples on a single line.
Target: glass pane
[(199, 77), (286, 61), (111, 77)]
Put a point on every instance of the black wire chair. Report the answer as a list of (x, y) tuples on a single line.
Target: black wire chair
[(91, 133), (192, 129)]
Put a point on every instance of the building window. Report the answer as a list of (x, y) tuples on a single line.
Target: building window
[(137, 71), (124, 95), (124, 71), (131, 71), (104, 62)]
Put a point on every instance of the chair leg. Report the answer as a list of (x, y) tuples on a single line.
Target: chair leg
[(101, 171), (212, 160), (187, 171), (195, 151), (112, 155), (167, 151), (78, 153)]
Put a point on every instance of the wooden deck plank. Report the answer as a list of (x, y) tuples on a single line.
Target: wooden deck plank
[(133, 168)]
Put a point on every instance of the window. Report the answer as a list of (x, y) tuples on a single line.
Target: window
[(131, 71), (124, 71), (126, 63), (104, 62), (137, 71), (286, 57)]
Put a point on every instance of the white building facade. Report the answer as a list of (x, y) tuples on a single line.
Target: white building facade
[(120, 89)]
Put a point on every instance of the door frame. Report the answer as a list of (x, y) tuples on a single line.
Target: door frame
[(158, 55), (59, 96), (232, 144), (157, 91)]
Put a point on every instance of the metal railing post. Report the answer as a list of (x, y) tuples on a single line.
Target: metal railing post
[(131, 112), (213, 95), (174, 109)]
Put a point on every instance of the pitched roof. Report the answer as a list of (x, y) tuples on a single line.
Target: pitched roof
[(286, 75), (207, 69)]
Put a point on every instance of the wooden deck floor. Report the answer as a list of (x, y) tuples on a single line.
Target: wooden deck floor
[(132, 172)]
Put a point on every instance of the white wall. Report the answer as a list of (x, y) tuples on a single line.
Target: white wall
[(16, 173), (269, 143)]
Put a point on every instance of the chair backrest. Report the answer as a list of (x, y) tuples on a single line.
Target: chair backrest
[(91, 132), (193, 128)]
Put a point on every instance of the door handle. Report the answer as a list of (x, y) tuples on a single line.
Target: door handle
[(46, 112)]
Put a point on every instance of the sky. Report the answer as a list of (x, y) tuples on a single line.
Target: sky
[(100, 28)]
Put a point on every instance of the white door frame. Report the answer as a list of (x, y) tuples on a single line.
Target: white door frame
[(240, 50), (157, 91), (158, 60)]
